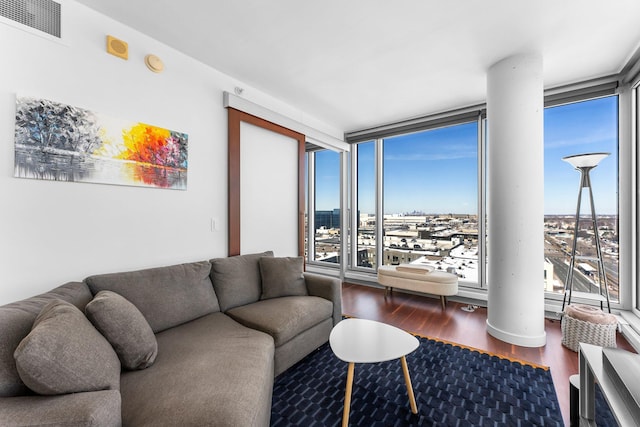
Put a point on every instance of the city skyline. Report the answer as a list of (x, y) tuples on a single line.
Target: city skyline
[(435, 171)]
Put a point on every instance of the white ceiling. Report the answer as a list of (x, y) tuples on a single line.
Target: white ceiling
[(359, 63)]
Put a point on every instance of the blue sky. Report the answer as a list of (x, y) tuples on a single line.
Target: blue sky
[(436, 171), (583, 127)]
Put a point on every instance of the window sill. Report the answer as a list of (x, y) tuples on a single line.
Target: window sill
[(630, 327)]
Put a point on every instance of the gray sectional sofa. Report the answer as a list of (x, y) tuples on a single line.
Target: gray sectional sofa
[(191, 344)]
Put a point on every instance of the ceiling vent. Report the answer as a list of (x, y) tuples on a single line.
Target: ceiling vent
[(42, 15)]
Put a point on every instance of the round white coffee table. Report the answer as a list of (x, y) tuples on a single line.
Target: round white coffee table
[(367, 341)]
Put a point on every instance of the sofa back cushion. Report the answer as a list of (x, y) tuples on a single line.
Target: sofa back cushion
[(237, 279), (16, 320), (166, 296)]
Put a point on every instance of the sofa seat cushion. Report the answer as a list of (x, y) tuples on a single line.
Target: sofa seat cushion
[(210, 371), (284, 318), (166, 296), (64, 353), (89, 409), (126, 329)]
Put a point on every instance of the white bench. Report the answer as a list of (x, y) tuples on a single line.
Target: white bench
[(418, 278)]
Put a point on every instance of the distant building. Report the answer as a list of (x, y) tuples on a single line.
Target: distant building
[(397, 256), (548, 276), (327, 219)]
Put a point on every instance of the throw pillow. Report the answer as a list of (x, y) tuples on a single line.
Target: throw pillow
[(282, 277), (64, 353), (126, 329), (236, 279)]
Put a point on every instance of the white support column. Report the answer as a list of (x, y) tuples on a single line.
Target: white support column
[(515, 108)]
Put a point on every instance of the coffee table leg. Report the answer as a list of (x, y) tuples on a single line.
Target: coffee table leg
[(347, 395), (407, 380)]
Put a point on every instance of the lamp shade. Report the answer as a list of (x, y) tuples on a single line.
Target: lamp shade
[(587, 160)]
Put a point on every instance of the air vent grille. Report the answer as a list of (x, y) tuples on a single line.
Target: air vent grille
[(42, 15)]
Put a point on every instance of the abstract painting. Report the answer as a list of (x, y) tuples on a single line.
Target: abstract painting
[(59, 142)]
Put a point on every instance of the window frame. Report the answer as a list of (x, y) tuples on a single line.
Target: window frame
[(583, 94), (423, 124), (354, 219), (635, 202), (628, 182), (311, 209)]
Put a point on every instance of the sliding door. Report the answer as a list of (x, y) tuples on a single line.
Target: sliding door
[(266, 187)]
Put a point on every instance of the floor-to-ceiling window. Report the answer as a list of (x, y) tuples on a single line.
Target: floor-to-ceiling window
[(326, 221), (366, 251), (427, 209), (417, 192), (589, 126), (430, 195)]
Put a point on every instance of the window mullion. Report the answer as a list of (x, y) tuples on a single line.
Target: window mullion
[(482, 205), (379, 201), (311, 206), (355, 220)]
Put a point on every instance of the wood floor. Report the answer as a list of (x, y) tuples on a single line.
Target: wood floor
[(424, 316)]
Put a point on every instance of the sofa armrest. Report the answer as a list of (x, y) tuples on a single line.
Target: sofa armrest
[(94, 408), (326, 287)]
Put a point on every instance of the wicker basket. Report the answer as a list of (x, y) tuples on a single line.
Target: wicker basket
[(575, 331)]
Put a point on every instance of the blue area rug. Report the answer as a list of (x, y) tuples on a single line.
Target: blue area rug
[(453, 386)]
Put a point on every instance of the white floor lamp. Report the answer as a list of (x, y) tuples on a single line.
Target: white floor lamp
[(584, 163)]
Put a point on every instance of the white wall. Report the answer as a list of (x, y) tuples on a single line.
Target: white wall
[(53, 232)]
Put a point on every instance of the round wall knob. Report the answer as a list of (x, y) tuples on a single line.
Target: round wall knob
[(154, 63)]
